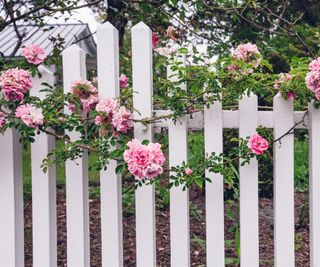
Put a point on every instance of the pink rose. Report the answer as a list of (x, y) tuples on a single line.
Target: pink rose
[(313, 77), (315, 65), (123, 81), (248, 53), (83, 88), (15, 83), (167, 51), (188, 171), (155, 40), (89, 103), (258, 144), (34, 54), (31, 116), (107, 106), (122, 120), (144, 161), (2, 119)]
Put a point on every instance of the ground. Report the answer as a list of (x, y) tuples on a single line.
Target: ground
[(197, 234)]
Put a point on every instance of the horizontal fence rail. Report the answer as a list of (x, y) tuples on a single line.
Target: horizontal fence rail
[(212, 121)]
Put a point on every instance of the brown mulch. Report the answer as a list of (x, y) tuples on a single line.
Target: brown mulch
[(197, 233)]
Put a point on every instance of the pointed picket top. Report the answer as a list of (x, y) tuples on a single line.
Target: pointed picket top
[(106, 25), (140, 26), (73, 48)]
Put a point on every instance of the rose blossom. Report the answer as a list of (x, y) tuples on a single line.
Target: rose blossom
[(83, 88), (107, 106), (155, 40), (315, 65), (87, 93), (2, 119), (15, 83), (123, 81), (122, 120), (188, 171), (258, 144), (313, 77), (31, 116), (167, 51), (34, 54), (89, 103), (144, 161), (248, 53)]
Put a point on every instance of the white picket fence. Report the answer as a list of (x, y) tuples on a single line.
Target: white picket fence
[(246, 119)]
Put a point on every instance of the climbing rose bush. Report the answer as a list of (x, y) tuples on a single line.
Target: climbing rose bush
[(34, 54), (144, 161), (15, 83), (258, 144), (31, 116)]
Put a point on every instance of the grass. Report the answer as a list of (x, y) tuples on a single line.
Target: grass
[(60, 170)]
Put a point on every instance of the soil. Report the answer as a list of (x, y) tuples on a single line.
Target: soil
[(197, 232)]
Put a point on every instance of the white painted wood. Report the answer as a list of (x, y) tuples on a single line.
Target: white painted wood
[(44, 220), (249, 226), (283, 184), (110, 182), (213, 136), (142, 101), (179, 199), (314, 185), (230, 119), (11, 201), (77, 197)]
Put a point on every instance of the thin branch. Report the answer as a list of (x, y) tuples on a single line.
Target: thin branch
[(290, 131)]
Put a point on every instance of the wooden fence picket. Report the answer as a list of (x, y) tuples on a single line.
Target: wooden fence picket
[(283, 183), (44, 221), (213, 137), (179, 199), (110, 182), (11, 200), (314, 185), (142, 101), (77, 198), (249, 226)]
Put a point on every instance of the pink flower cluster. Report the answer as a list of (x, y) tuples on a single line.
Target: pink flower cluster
[(87, 93), (167, 51), (258, 144), (34, 54), (15, 83), (2, 119), (247, 53), (313, 77), (31, 116), (120, 118), (283, 78), (123, 81), (144, 161)]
